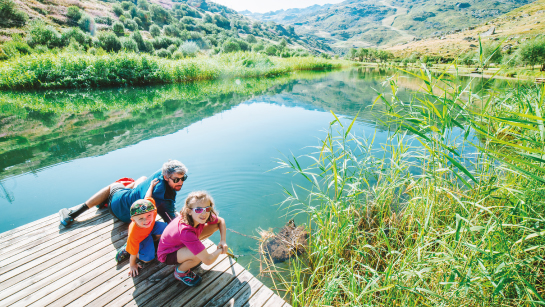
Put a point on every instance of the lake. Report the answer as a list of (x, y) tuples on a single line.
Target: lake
[(60, 147)]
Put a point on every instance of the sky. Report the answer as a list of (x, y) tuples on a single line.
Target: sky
[(261, 6)]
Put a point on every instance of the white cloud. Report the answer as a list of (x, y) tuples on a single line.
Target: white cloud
[(261, 6)]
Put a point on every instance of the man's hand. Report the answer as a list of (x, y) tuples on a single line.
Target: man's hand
[(133, 269), (223, 246)]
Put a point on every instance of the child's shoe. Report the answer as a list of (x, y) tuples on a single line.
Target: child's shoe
[(189, 278), (122, 254), (104, 205), (65, 218)]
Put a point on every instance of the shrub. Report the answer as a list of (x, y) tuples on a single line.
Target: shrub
[(258, 47), (118, 10), (163, 53), (177, 55), (75, 33), (154, 30), (251, 39), (137, 37), (11, 16), (131, 25), (109, 41), (107, 20), (92, 51), (129, 44), (230, 45), (271, 50), (172, 48), (40, 34), (87, 24), (74, 14), (118, 28), (15, 48), (189, 49), (149, 47)]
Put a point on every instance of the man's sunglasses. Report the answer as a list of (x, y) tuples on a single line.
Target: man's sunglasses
[(199, 210), (176, 180)]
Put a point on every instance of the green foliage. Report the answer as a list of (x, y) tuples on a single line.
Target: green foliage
[(109, 41), (251, 39), (74, 33), (10, 15), (129, 44), (117, 9), (163, 53), (271, 50), (231, 45), (143, 4), (258, 47), (40, 34), (14, 48), (189, 49), (137, 37), (87, 24), (131, 25), (207, 18), (118, 28), (74, 14), (532, 52), (159, 14), (155, 31)]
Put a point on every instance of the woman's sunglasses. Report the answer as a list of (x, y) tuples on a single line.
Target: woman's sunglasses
[(176, 180), (199, 210)]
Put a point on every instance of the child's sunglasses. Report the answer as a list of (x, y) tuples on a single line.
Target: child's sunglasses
[(176, 180), (199, 210)]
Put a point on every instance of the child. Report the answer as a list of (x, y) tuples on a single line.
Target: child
[(142, 232), (181, 241)]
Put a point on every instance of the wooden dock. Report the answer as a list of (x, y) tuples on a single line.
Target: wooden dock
[(44, 264)]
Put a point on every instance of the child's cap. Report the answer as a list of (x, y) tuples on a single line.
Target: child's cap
[(141, 206)]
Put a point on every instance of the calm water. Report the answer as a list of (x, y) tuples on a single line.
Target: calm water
[(228, 133)]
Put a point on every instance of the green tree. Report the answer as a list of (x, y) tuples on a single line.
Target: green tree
[(352, 53), (74, 14), (283, 43), (230, 45), (251, 39), (118, 28), (109, 41), (40, 34), (87, 24), (118, 10), (143, 4), (154, 30), (271, 50), (129, 44), (10, 16), (207, 18), (137, 37), (532, 52)]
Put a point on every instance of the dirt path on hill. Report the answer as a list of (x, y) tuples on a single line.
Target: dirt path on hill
[(389, 21)]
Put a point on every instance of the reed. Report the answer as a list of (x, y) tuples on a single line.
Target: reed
[(448, 212), (81, 70)]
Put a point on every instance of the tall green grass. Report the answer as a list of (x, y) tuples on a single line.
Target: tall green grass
[(449, 212), (79, 70)]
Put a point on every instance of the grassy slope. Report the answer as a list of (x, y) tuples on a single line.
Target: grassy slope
[(511, 27)]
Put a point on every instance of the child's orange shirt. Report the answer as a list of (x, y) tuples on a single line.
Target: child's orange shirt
[(137, 234)]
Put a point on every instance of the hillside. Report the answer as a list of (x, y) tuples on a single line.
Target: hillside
[(511, 29), (367, 23), (206, 23)]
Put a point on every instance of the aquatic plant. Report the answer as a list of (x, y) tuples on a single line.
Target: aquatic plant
[(457, 220), (68, 70)]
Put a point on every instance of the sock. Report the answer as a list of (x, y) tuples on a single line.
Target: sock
[(75, 213), (181, 272)]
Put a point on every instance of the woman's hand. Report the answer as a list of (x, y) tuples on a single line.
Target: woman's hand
[(223, 246), (133, 269)]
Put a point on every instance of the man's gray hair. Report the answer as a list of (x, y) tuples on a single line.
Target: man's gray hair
[(173, 166)]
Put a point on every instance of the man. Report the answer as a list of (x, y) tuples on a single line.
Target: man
[(120, 198)]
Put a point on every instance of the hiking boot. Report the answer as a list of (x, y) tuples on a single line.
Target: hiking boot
[(189, 278), (122, 254), (65, 218)]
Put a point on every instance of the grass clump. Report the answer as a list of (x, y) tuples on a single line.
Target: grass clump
[(457, 220), (76, 70)]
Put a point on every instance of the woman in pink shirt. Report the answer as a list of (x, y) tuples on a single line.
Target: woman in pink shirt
[(180, 242)]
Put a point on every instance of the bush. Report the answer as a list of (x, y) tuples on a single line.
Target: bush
[(131, 25), (137, 37), (10, 16), (172, 48), (129, 44), (87, 24), (107, 20), (177, 55), (149, 47), (189, 49), (118, 10), (163, 53), (15, 48), (251, 39), (109, 41), (230, 45), (258, 47), (74, 14), (154, 30), (76, 34), (271, 50), (40, 34), (118, 28)]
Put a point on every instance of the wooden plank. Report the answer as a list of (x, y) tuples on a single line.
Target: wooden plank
[(212, 288), (244, 295), (127, 290), (230, 290), (49, 221), (274, 301), (168, 283), (50, 240), (47, 281), (208, 275), (260, 297), (60, 255)]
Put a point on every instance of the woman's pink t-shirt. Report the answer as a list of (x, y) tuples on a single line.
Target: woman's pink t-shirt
[(178, 235)]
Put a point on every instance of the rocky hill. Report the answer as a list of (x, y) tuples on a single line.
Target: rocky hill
[(371, 23)]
